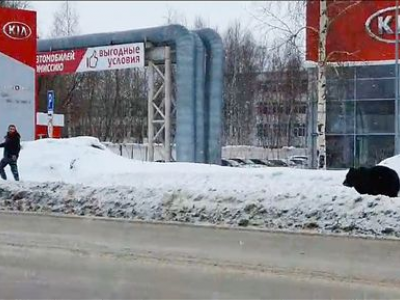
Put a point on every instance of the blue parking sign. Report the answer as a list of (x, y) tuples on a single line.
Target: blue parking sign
[(50, 101)]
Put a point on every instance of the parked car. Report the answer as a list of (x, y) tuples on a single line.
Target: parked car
[(261, 162), (278, 163), (163, 161), (299, 157), (248, 163), (299, 160), (229, 163), (239, 161)]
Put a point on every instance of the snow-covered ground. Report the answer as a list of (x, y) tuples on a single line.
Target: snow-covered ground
[(80, 176)]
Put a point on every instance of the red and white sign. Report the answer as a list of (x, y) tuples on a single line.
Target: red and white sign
[(359, 30), (43, 119), (59, 62), (18, 103), (125, 56), (381, 25), (43, 122), (18, 35)]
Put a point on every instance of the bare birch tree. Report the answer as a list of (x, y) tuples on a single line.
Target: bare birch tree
[(66, 24), (65, 20), (323, 59), (281, 105), (321, 87), (173, 16), (293, 32), (242, 65)]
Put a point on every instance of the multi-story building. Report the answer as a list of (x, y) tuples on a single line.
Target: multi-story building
[(281, 106)]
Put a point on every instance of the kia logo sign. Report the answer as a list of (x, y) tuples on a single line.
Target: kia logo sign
[(17, 30)]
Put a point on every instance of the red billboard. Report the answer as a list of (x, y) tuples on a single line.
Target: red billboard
[(59, 62), (90, 59), (18, 71), (359, 30)]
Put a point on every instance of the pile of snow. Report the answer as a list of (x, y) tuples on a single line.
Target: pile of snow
[(392, 162), (80, 176)]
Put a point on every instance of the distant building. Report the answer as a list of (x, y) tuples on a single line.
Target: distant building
[(281, 110)]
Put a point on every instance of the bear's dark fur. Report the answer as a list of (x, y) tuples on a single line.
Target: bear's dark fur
[(377, 180)]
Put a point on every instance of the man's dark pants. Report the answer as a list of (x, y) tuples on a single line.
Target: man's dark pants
[(13, 165)]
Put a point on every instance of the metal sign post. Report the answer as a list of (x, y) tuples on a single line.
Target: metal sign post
[(50, 112)]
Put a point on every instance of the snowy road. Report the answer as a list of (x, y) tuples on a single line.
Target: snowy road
[(56, 257)]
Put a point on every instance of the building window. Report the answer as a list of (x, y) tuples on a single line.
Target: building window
[(339, 151), (301, 109), (375, 71), (261, 130), (299, 130), (375, 117), (371, 150), (274, 109), (340, 90), (375, 89), (340, 117)]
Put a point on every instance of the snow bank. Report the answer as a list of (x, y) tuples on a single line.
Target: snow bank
[(81, 176), (392, 162)]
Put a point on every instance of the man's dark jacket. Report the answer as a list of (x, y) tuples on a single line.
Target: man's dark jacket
[(11, 145)]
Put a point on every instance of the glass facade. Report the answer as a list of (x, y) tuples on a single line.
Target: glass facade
[(360, 115)]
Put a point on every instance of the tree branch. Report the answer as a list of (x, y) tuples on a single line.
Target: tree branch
[(14, 4), (78, 79), (343, 12), (340, 52), (268, 12)]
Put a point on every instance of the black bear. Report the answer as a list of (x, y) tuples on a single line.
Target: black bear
[(377, 180)]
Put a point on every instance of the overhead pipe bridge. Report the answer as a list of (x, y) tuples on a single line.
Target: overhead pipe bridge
[(199, 57)]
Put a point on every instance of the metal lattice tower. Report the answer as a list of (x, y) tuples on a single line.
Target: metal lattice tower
[(161, 108)]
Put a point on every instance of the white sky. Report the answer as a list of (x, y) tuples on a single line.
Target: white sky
[(107, 16)]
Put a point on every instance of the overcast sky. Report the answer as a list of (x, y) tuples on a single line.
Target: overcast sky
[(106, 16)]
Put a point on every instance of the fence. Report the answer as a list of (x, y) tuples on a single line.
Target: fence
[(139, 151)]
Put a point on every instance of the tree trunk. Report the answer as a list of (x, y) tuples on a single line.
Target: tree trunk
[(69, 120), (321, 117)]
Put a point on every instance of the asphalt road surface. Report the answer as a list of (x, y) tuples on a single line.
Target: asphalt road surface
[(76, 258)]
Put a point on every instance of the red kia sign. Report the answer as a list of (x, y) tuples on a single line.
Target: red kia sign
[(18, 35), (360, 30), (382, 25), (18, 70), (17, 30)]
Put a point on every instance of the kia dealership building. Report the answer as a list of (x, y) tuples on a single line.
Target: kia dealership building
[(361, 82)]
